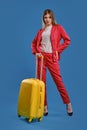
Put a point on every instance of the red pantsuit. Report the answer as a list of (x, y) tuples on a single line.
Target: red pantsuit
[(51, 59)]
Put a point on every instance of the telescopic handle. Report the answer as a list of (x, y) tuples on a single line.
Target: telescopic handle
[(41, 56)]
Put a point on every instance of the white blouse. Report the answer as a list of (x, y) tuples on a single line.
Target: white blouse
[(46, 41)]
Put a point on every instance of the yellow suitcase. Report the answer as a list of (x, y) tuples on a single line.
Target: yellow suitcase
[(31, 99)]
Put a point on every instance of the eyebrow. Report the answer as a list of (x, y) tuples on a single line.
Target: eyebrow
[(46, 17)]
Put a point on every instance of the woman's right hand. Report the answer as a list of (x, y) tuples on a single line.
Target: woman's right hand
[(38, 54)]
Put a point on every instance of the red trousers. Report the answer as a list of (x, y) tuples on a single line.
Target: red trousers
[(54, 70)]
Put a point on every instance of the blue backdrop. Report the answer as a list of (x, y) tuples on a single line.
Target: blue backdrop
[(19, 23)]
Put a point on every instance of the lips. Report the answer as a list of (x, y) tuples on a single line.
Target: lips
[(47, 22)]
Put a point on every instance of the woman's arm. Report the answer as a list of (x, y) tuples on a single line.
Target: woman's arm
[(66, 40), (34, 45)]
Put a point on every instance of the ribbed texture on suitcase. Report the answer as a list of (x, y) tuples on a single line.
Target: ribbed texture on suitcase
[(31, 99)]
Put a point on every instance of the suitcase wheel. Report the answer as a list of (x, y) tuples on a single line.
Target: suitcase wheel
[(19, 115), (30, 120), (39, 119)]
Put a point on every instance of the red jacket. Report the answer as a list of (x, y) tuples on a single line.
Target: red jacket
[(57, 34)]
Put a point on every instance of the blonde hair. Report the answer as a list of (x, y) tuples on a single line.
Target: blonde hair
[(50, 12)]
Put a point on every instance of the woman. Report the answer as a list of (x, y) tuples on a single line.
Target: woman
[(47, 43)]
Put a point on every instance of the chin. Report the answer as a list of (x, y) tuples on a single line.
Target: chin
[(48, 24)]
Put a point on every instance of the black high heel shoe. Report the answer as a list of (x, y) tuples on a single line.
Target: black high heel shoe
[(45, 111), (69, 109), (45, 114), (70, 113)]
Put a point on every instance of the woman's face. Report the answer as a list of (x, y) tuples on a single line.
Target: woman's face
[(47, 20)]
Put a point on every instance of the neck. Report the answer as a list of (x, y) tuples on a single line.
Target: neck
[(48, 25)]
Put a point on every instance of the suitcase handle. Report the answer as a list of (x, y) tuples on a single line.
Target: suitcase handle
[(39, 56)]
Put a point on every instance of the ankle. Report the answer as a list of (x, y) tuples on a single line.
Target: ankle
[(69, 106), (69, 109), (45, 108)]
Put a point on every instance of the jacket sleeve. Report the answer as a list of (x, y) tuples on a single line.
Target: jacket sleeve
[(65, 38), (34, 44)]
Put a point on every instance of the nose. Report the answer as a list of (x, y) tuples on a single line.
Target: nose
[(47, 19)]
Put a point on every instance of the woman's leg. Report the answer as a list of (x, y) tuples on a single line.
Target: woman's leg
[(54, 69)]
